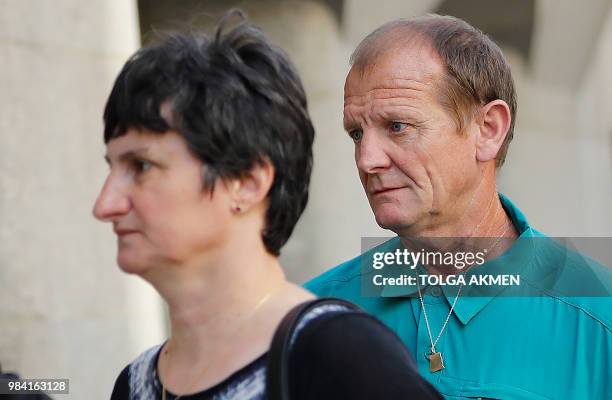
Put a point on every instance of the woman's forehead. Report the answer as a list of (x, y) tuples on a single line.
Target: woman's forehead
[(143, 141)]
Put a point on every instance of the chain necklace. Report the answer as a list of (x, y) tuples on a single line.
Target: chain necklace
[(436, 362), (263, 300)]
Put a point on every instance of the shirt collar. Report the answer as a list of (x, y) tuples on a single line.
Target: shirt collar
[(473, 298)]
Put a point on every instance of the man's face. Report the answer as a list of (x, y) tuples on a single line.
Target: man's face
[(414, 165)]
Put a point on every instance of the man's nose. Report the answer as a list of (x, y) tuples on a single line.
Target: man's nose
[(371, 155), (112, 202)]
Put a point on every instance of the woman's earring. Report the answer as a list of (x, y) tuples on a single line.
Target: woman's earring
[(236, 208)]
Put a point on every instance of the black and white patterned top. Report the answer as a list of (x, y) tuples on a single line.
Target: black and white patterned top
[(336, 353), (248, 383)]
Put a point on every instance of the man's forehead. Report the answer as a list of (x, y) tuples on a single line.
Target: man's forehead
[(397, 67)]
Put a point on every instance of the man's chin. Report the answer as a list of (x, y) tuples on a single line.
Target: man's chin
[(395, 215), (395, 223)]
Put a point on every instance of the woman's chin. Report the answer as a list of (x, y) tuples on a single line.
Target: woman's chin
[(130, 265)]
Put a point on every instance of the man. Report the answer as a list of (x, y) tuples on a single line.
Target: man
[(430, 105)]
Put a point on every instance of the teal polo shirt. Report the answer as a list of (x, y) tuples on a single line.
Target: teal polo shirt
[(551, 339)]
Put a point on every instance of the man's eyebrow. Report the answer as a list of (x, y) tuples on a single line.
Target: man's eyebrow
[(348, 124), (129, 154)]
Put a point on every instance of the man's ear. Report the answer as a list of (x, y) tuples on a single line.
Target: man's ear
[(252, 188), (493, 124)]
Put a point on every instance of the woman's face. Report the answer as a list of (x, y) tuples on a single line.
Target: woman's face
[(153, 196)]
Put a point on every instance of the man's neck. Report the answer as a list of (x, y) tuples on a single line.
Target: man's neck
[(479, 223)]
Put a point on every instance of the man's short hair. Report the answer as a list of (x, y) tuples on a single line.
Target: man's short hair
[(236, 100), (475, 69)]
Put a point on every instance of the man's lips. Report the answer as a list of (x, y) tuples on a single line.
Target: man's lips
[(384, 190)]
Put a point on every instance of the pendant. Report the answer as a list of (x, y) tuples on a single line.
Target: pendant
[(436, 363)]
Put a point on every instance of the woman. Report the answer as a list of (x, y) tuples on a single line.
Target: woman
[(209, 145)]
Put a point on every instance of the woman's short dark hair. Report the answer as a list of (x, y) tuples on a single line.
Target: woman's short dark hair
[(237, 101)]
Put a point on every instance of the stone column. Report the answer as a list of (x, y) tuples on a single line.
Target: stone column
[(594, 127), (558, 170), (363, 16), (65, 309)]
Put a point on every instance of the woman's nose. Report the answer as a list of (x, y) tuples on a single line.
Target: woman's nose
[(112, 202)]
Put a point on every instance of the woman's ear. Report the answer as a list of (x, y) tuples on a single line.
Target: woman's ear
[(251, 189), (493, 126)]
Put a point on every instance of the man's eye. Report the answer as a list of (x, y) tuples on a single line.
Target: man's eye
[(356, 134), (398, 126)]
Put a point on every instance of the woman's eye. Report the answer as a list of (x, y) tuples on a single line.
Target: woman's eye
[(142, 165), (398, 126), (356, 134)]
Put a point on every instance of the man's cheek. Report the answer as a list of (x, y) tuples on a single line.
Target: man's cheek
[(413, 167), (364, 180)]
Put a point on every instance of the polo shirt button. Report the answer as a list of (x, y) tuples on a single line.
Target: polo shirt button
[(435, 291)]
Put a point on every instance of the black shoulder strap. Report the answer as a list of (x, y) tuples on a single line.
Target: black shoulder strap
[(277, 375)]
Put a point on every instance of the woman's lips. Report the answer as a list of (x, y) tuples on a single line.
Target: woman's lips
[(125, 232)]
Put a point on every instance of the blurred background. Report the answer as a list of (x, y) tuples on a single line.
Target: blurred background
[(66, 311)]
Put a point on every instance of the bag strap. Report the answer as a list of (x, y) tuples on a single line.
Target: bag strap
[(277, 375)]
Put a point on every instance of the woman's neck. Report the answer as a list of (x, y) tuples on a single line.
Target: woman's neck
[(223, 314), (216, 291)]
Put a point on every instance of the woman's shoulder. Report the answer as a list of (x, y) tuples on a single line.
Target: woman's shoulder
[(139, 380), (329, 318), (332, 327), (323, 310), (139, 376), (348, 354)]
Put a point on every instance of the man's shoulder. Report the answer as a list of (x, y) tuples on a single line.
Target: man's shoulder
[(341, 275), (594, 296), (343, 280), (574, 278)]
